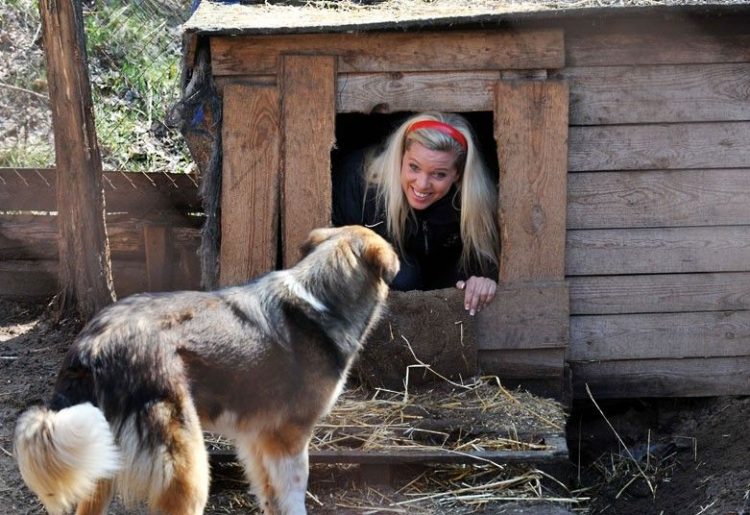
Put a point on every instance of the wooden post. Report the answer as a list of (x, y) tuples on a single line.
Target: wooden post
[(308, 121), (250, 182), (85, 269), (531, 128), (157, 241)]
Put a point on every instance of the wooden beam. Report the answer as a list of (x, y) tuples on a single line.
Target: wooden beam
[(659, 336), (394, 51), (308, 124), (524, 364), (659, 147), (658, 251), (531, 123), (696, 377), (525, 316), (668, 293), (35, 189), (658, 94), (250, 182), (35, 236), (692, 46), (662, 198)]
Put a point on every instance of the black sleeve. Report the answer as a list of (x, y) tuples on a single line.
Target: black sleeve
[(348, 190), (475, 269)]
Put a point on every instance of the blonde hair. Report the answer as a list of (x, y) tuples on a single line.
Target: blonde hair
[(477, 191)]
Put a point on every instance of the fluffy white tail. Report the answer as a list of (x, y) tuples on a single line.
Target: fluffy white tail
[(63, 454)]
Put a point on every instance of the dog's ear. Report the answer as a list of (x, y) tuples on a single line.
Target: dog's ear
[(379, 254), (316, 237)]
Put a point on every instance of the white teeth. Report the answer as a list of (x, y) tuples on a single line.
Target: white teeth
[(420, 195)]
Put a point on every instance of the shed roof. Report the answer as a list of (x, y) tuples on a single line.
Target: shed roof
[(352, 15)]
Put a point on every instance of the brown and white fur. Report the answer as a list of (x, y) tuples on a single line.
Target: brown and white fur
[(260, 363)]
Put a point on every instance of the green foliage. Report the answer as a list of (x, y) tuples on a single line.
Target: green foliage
[(134, 53)]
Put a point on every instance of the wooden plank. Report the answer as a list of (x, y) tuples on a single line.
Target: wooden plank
[(659, 335), (308, 121), (157, 243), (658, 251), (621, 294), (393, 92), (517, 364), (35, 189), (659, 147), (525, 316), (658, 94), (656, 47), (37, 279), (250, 182), (674, 198), (696, 377), (35, 236), (557, 451), (531, 122), (394, 51)]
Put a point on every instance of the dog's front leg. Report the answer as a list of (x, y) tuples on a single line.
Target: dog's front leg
[(248, 450), (289, 474)]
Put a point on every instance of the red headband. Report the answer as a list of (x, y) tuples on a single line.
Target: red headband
[(443, 127)]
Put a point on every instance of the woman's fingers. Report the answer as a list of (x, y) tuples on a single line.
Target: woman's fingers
[(479, 291)]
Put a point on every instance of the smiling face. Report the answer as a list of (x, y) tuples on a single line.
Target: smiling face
[(426, 175)]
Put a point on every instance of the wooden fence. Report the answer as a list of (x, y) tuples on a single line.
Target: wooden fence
[(153, 224)]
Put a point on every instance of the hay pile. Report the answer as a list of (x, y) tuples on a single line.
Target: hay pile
[(480, 415)]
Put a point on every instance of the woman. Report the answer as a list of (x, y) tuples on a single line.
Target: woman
[(428, 193)]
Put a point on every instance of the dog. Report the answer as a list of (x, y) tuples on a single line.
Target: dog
[(260, 363)]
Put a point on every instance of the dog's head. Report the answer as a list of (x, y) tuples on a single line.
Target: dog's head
[(362, 243)]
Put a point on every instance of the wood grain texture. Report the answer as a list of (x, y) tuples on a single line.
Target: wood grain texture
[(394, 51), (674, 198), (619, 294), (689, 45), (35, 236), (35, 189), (393, 92), (250, 182), (659, 94), (659, 335), (696, 377), (657, 251), (30, 280), (525, 316), (517, 364), (157, 241), (659, 147), (531, 122), (308, 125)]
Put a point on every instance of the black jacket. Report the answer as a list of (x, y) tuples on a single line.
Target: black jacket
[(432, 243)]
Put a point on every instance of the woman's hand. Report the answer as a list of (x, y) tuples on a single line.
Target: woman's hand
[(479, 291)]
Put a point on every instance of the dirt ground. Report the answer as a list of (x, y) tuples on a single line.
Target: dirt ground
[(681, 456)]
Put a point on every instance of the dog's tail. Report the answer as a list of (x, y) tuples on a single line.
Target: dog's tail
[(62, 454)]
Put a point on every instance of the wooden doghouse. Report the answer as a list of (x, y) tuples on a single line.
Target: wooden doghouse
[(623, 145)]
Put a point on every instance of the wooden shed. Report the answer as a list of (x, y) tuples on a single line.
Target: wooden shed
[(622, 137)]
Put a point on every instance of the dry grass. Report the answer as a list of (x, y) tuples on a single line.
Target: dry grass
[(480, 415)]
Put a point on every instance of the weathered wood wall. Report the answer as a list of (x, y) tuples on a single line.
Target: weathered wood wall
[(153, 223), (658, 225)]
